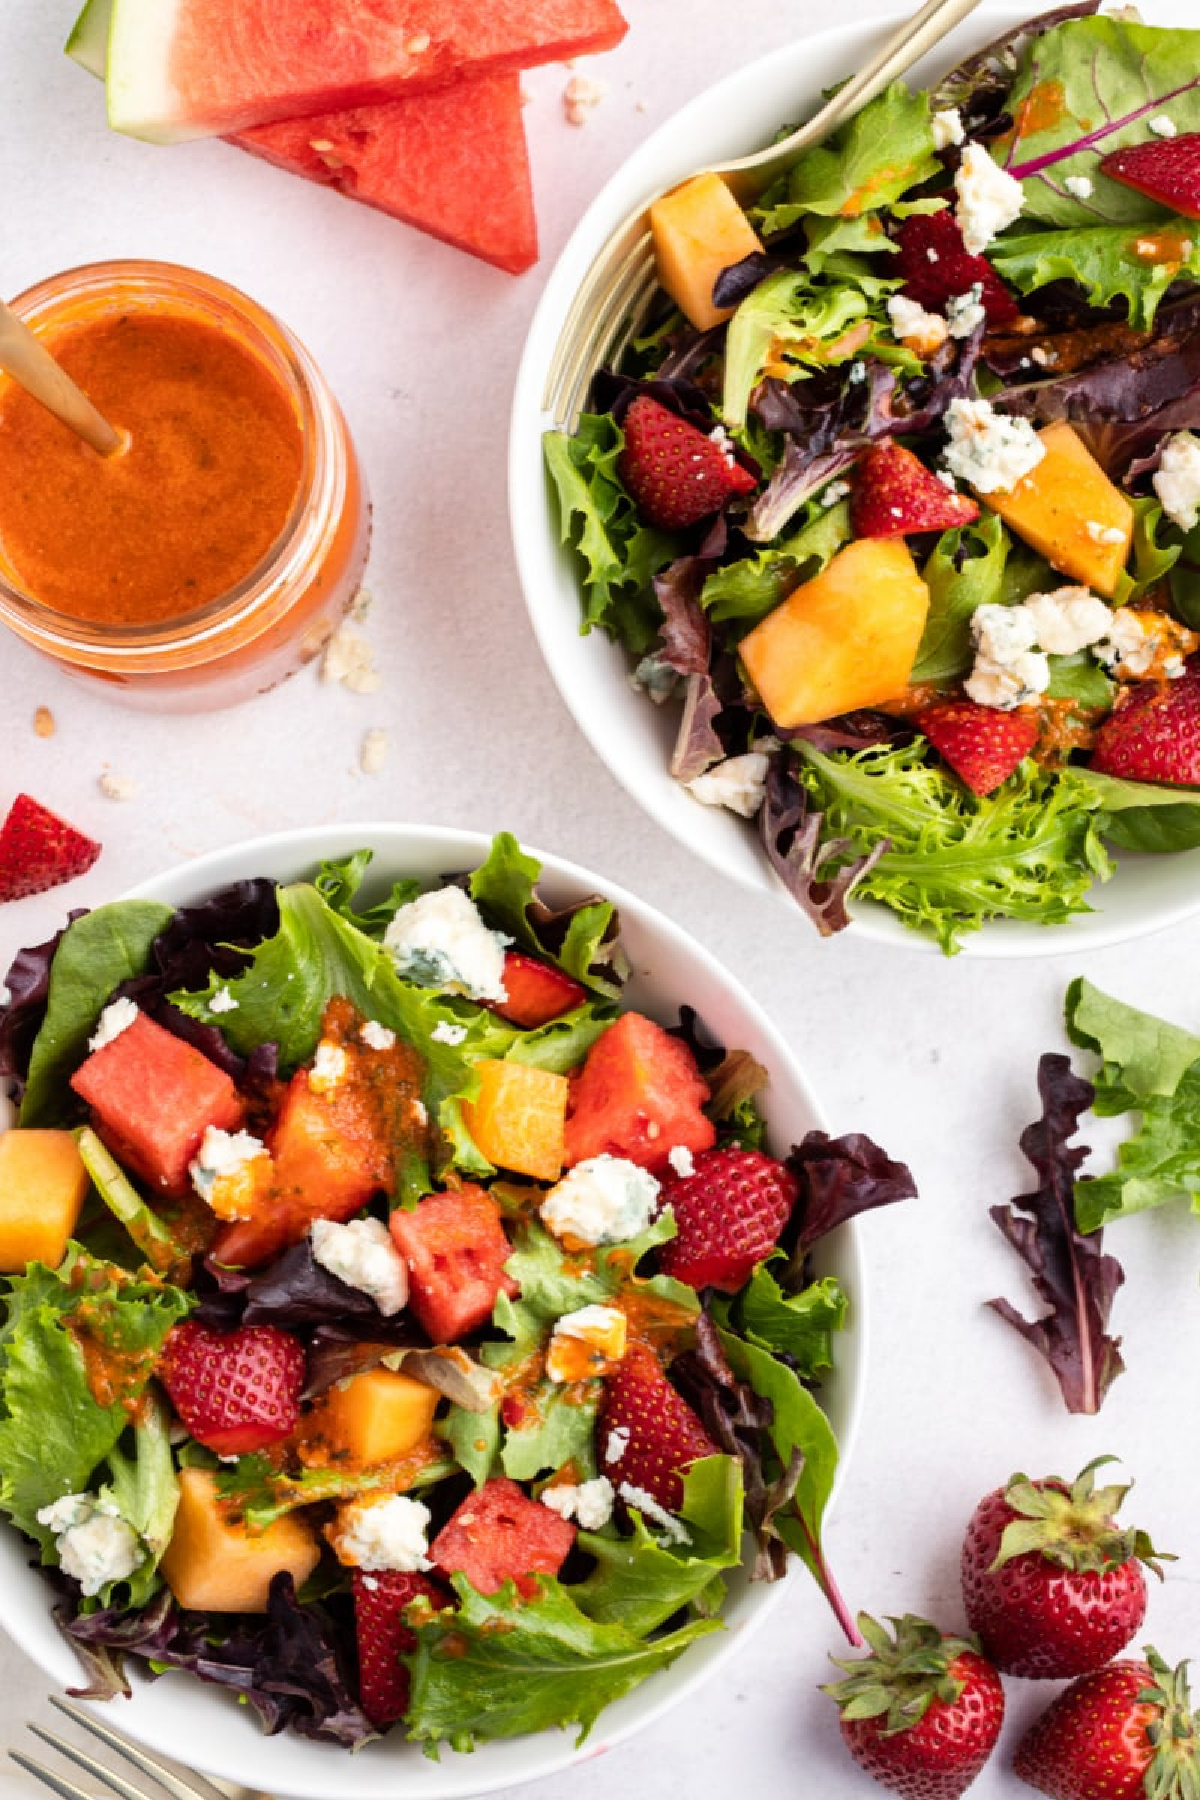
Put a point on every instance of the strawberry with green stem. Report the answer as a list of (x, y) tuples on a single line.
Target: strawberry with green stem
[(1125, 1732), (920, 1712)]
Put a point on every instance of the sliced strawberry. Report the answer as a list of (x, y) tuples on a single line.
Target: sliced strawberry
[(730, 1212), (383, 1637), (657, 1433), (38, 850), (674, 471), (1164, 169), (499, 1534), (894, 494), (935, 265), (982, 745), (537, 992), (236, 1391), (1153, 732)]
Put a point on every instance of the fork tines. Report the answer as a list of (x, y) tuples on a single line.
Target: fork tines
[(180, 1787)]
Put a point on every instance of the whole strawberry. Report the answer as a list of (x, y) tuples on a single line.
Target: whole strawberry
[(729, 1213), (1053, 1585), (1126, 1732), (920, 1712), (676, 473), (647, 1434), (236, 1391), (982, 745), (1153, 733)]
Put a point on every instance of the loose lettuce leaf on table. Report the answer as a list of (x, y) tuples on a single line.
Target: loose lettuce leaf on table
[(1071, 1274), (1086, 89), (499, 1666), (620, 555), (56, 1436), (1152, 1068), (947, 860)]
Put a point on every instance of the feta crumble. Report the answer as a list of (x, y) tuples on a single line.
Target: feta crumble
[(1177, 479), (376, 1036), (1013, 643), (1104, 534), (224, 1158), (966, 312), (380, 1532), (1068, 620), (440, 940), (329, 1068), (674, 1530), (590, 1503), (1162, 126), (1080, 187), (117, 1017), (589, 1341), (989, 198), (446, 1033), (222, 1001), (116, 787), (922, 331), (602, 1200), (738, 783), (833, 491), (681, 1160), (362, 1254), (373, 751), (617, 1444), (350, 661), (581, 97), (947, 128), (95, 1544), (986, 449)]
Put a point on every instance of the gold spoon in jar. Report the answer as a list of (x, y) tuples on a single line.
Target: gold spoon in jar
[(32, 367)]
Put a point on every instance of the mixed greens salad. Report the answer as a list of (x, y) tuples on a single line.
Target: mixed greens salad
[(340, 1361), (930, 620)]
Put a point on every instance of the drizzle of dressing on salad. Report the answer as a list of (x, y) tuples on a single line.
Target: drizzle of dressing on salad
[(116, 1373)]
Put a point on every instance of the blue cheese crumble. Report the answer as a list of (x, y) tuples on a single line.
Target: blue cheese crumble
[(440, 940)]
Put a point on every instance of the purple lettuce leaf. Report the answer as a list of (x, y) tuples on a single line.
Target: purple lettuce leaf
[(103, 1639), (685, 633), (741, 278), (1071, 1274), (978, 86), (840, 1178), (852, 731), (791, 834), (697, 744), (28, 984)]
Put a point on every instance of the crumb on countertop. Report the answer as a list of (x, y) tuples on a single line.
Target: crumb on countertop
[(44, 722), (349, 661), (116, 787), (374, 750), (580, 98)]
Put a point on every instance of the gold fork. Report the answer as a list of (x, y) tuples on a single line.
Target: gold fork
[(614, 294), (181, 1784)]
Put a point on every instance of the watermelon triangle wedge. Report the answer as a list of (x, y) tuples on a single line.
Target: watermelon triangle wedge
[(417, 159), (202, 68)]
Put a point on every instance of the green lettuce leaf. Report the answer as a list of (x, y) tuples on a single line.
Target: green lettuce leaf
[(639, 1583), (885, 149), (474, 1440), (96, 954), (339, 883), (1150, 1067), (1139, 816), (501, 1666), (620, 555), (1029, 851), (801, 1325), (164, 1252), (1153, 560), (964, 570), (56, 1436), (1080, 678), (262, 1493), (145, 1490), (747, 590), (831, 239), (1087, 88), (1104, 260), (559, 1427), (784, 315), (582, 941)]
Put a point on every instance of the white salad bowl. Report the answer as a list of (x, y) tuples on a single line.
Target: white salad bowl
[(630, 734), (179, 1716)]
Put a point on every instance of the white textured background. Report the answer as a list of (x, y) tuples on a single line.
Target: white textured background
[(935, 1059)]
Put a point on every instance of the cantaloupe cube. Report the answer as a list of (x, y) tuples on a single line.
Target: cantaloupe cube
[(43, 1185), (376, 1417), (215, 1565), (847, 638), (519, 1119), (698, 230), (1070, 512)]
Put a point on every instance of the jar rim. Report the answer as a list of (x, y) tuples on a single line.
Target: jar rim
[(147, 283)]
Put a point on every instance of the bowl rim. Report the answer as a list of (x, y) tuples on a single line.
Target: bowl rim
[(533, 520), (300, 848)]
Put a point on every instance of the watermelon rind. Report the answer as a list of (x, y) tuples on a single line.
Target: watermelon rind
[(142, 101), (88, 42)]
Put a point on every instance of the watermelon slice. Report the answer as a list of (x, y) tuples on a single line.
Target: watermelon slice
[(414, 159), (420, 161), (200, 68)]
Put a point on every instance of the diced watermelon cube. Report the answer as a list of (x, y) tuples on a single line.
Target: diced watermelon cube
[(499, 1534), (152, 1098), (456, 1247), (419, 160), (537, 992), (639, 1095)]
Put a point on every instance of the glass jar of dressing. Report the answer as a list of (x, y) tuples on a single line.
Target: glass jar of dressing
[(218, 549)]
